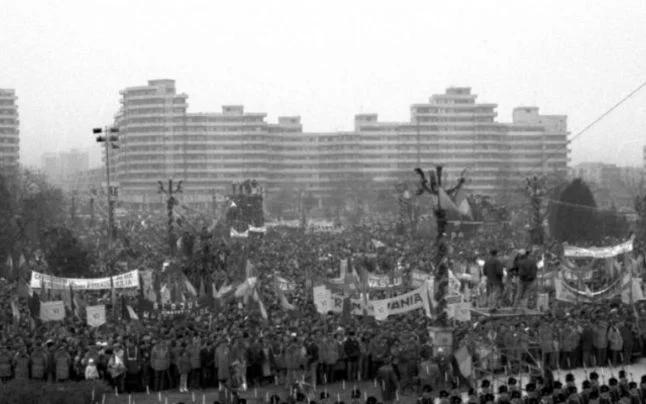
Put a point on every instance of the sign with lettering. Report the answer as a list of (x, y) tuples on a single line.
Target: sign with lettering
[(125, 280)]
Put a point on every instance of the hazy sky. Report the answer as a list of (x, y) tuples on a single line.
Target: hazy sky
[(327, 60)]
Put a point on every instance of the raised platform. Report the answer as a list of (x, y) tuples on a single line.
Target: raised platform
[(505, 312)]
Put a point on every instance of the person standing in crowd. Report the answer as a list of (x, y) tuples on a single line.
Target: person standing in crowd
[(160, 363), (352, 351), (38, 362), (388, 382), (183, 368), (569, 339), (627, 331), (312, 358), (546, 342), (63, 362), (116, 369), (329, 356), (21, 364), (5, 363), (133, 367), (527, 272), (91, 372), (222, 362), (600, 330), (587, 344), (194, 352), (616, 344), (494, 272)]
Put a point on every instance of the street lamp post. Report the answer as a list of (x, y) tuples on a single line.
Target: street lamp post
[(170, 203), (109, 139), (434, 187)]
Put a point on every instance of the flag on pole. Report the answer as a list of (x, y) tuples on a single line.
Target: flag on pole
[(23, 289), (9, 267), (462, 203), (96, 315), (52, 311), (14, 310), (34, 305)]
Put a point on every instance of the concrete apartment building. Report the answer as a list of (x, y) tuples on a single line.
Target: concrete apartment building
[(160, 139), (9, 130)]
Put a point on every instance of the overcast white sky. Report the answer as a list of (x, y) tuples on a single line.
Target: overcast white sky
[(327, 60)]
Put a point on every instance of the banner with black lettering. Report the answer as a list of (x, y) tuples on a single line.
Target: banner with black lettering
[(326, 301), (122, 281), (384, 281)]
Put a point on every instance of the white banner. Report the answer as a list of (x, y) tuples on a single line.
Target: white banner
[(284, 284), (384, 281), (418, 278), (262, 229), (326, 301), (125, 280), (322, 299), (567, 293), (598, 252), (95, 315), (235, 234), (52, 311)]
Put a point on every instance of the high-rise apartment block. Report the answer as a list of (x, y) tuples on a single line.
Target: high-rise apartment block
[(9, 130), (160, 139)]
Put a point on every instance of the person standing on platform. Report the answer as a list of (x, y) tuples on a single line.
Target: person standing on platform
[(493, 271)]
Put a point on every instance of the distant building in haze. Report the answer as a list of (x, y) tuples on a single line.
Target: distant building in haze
[(61, 168), (9, 130)]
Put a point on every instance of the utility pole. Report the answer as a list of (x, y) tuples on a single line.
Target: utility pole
[(109, 139), (170, 203), (434, 187), (535, 190)]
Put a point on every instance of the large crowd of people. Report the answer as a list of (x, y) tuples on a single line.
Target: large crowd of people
[(229, 344)]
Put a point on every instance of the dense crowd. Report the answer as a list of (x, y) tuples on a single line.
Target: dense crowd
[(231, 345)]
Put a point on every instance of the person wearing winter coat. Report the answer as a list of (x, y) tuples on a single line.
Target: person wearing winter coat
[(184, 369), (628, 335), (388, 382), (116, 370), (222, 362), (600, 342), (63, 360), (21, 364), (91, 372), (160, 363), (329, 355), (352, 350), (38, 363), (194, 353), (5, 365), (546, 344), (616, 344)]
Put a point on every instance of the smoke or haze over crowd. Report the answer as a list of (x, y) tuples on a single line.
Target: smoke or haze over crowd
[(326, 61)]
